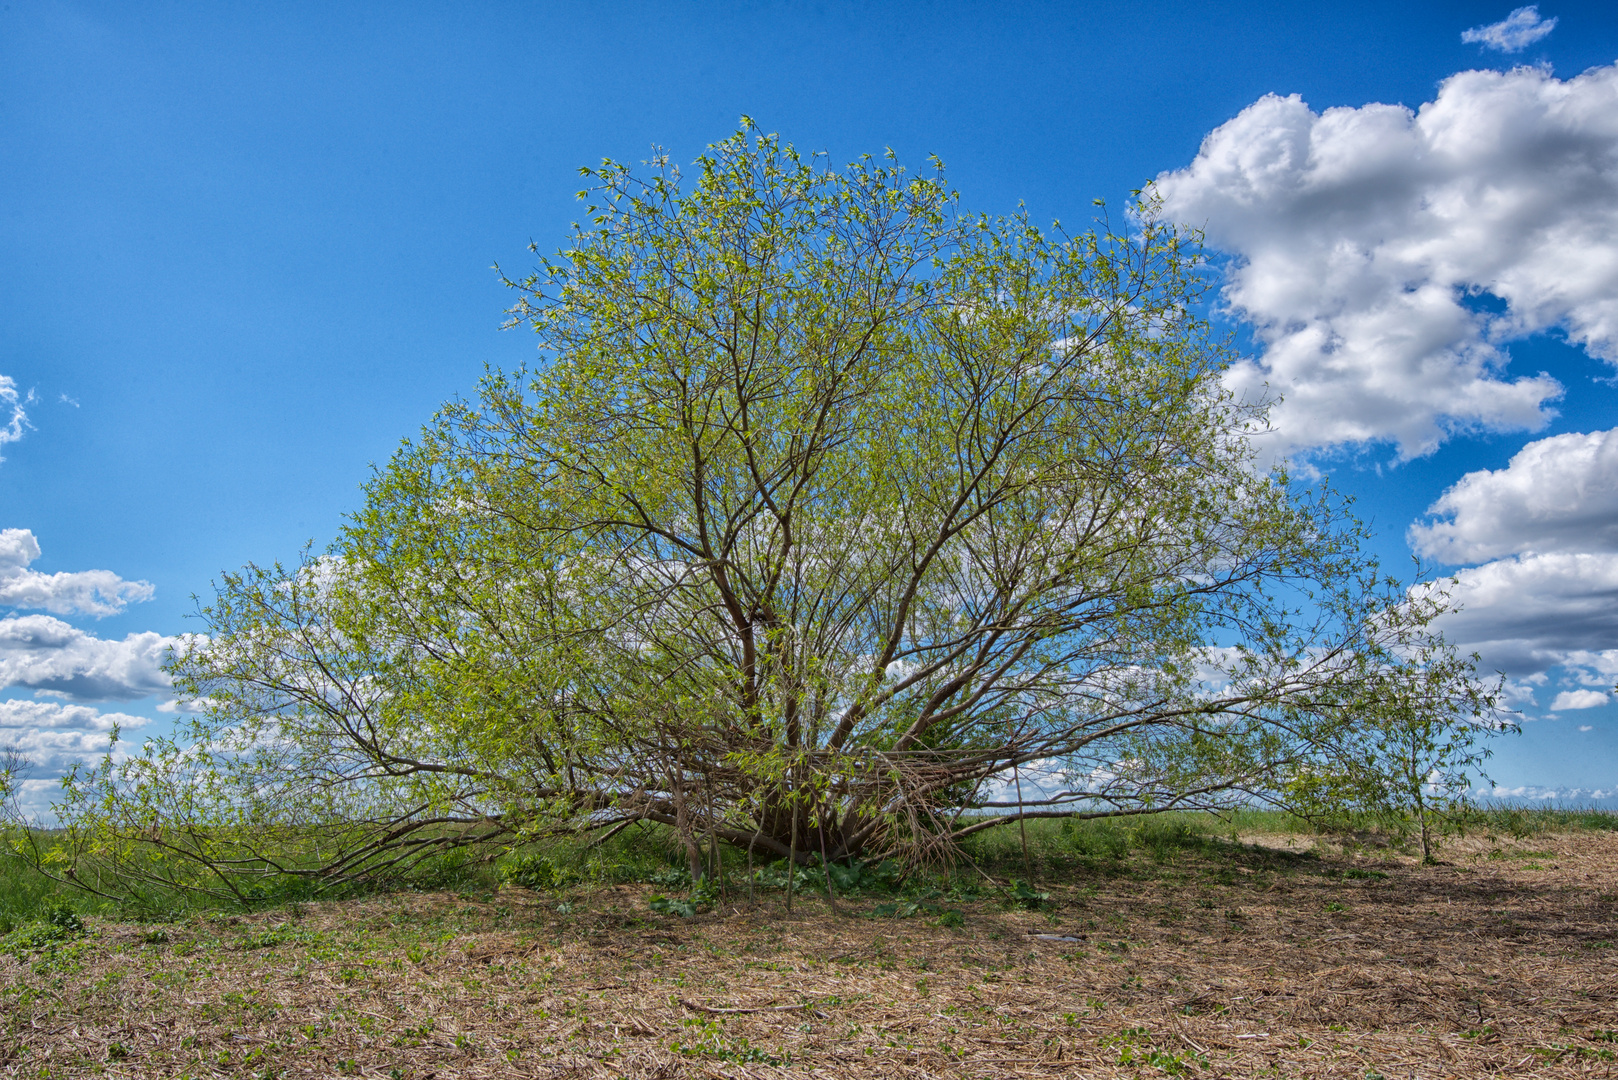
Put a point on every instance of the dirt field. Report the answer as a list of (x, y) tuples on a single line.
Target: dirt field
[(1270, 963)]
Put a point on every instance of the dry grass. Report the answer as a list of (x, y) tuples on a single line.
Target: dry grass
[(1266, 963)]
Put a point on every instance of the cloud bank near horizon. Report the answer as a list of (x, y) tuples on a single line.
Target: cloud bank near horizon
[(51, 738), (68, 668), (53, 657)]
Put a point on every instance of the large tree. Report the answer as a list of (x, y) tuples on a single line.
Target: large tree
[(827, 510)]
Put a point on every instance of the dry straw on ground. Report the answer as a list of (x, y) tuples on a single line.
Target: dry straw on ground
[(1501, 963)]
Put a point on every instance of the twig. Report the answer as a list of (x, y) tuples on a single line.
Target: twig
[(1022, 822), (792, 854), (825, 869), (612, 832), (694, 1007)]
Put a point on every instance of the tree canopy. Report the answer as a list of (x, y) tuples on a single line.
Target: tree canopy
[(827, 509)]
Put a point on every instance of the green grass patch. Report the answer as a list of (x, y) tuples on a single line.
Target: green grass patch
[(1154, 845), (1523, 822)]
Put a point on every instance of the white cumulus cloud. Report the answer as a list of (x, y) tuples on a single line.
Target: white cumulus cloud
[(1591, 667), (1512, 34), (1578, 699), (82, 592), (1552, 599), (1365, 239), (1556, 494), (45, 654), (1531, 612), (51, 737)]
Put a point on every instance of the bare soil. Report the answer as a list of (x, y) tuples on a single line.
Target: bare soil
[(1270, 961)]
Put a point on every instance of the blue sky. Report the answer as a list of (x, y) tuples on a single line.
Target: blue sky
[(245, 250)]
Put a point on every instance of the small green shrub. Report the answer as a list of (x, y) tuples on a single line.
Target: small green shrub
[(670, 877), (1024, 895), (925, 902), (1163, 838), (872, 877), (535, 871), (1095, 839), (776, 876), (60, 924), (667, 905)]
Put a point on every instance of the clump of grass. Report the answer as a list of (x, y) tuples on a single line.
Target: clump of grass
[(1104, 844), (1274, 822), (1162, 838), (60, 923), (26, 895), (1095, 839), (648, 853)]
